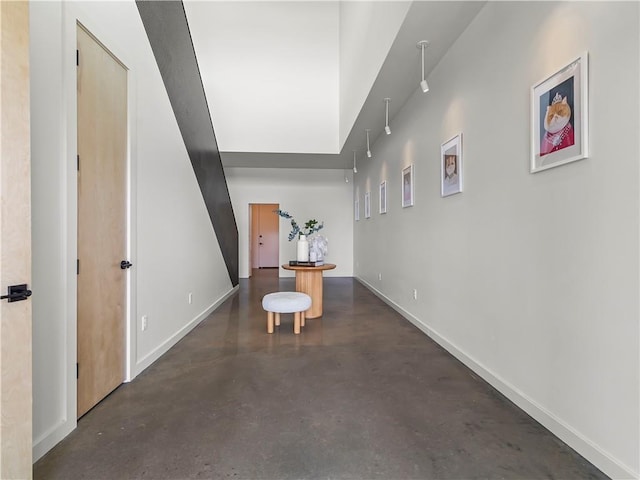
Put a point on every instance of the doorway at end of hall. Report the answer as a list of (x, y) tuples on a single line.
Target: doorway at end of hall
[(263, 236)]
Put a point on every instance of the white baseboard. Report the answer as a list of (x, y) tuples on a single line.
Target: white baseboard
[(51, 438), (585, 447), (164, 347)]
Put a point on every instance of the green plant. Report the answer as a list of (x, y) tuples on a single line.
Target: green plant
[(310, 226)]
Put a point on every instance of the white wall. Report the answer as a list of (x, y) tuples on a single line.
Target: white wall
[(322, 57), (278, 59), (530, 279), (172, 244), (305, 193), (53, 417), (367, 30)]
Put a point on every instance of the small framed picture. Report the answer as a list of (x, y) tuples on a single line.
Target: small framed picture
[(407, 186), (383, 197), (559, 117), (451, 166), (357, 209), (367, 205)]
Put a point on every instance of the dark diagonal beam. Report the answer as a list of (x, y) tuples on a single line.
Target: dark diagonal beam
[(168, 30)]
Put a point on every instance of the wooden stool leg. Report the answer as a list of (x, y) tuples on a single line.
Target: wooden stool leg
[(277, 319), (269, 322), (296, 323), (302, 317)]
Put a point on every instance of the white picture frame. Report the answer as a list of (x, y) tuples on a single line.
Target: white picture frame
[(367, 205), (407, 186), (451, 166), (383, 197), (558, 139)]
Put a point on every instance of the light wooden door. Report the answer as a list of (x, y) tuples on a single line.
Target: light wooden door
[(254, 241), (264, 235), (268, 235), (102, 155), (15, 243)]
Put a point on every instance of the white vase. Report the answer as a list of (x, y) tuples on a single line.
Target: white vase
[(303, 249)]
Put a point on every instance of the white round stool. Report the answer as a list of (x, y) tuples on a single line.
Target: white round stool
[(286, 302)]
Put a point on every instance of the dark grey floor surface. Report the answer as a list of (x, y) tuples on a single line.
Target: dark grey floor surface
[(359, 394)]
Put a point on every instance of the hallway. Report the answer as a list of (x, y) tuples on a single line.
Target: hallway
[(359, 394)]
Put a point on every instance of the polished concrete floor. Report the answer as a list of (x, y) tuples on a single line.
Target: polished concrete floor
[(360, 394)]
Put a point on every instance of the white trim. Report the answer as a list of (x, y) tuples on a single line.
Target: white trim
[(132, 221), (585, 447), (51, 438), (70, 225), (154, 355)]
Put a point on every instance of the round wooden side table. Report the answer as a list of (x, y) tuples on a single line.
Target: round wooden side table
[(309, 281)]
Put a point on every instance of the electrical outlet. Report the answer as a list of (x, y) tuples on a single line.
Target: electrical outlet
[(415, 294), (144, 322), (379, 276), (190, 298)]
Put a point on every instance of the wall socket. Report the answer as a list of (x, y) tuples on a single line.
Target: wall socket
[(190, 298), (379, 276), (145, 321), (415, 294)]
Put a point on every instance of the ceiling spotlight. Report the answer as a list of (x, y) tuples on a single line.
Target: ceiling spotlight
[(422, 44), (355, 169), (368, 149), (386, 124)]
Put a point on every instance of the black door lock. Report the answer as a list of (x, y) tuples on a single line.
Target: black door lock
[(124, 264), (17, 293)]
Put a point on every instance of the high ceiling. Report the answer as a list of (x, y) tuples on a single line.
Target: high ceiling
[(294, 84)]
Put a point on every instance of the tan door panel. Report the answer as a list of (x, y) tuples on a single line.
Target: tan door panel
[(269, 227), (102, 151), (15, 243)]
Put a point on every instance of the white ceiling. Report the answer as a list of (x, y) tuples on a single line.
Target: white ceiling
[(294, 84)]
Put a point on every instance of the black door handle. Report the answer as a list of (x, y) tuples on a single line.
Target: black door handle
[(124, 264), (261, 243), (17, 293)]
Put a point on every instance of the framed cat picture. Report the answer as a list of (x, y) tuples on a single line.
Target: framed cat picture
[(407, 186), (383, 197), (559, 116), (451, 166), (367, 205)]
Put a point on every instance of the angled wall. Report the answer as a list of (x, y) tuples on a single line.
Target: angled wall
[(367, 31), (276, 59)]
